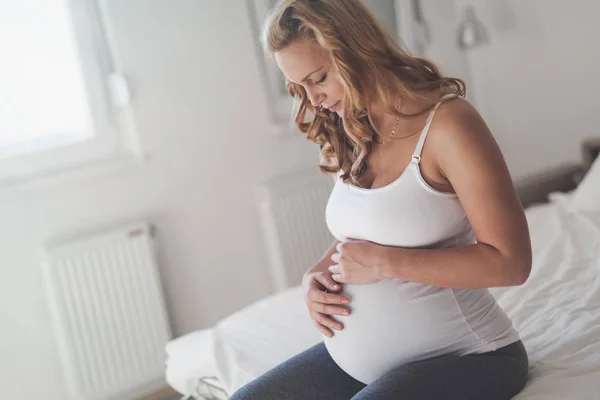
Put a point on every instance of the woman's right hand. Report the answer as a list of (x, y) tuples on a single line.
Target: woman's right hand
[(321, 305)]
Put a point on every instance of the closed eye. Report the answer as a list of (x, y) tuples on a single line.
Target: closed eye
[(322, 79)]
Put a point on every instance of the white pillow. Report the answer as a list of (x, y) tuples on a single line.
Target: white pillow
[(587, 194)]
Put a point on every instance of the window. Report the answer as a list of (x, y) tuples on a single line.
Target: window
[(56, 110)]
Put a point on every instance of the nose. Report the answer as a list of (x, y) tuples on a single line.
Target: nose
[(315, 98)]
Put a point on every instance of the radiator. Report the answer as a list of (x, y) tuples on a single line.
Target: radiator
[(292, 215), (109, 314)]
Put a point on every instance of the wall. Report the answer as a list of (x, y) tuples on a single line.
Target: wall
[(537, 81), (203, 123), (440, 16)]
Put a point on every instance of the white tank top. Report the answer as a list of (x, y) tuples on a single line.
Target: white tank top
[(394, 322)]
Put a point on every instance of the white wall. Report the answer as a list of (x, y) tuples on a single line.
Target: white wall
[(202, 118), (440, 16), (537, 82)]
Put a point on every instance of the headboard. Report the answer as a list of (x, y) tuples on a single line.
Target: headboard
[(535, 188), (562, 178)]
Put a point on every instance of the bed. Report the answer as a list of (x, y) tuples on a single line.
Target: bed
[(557, 311)]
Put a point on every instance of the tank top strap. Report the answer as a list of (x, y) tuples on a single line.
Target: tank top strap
[(416, 157)]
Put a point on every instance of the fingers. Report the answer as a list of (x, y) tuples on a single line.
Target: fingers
[(320, 311), (320, 296), (326, 280), (325, 331), (334, 269), (322, 304), (330, 310), (326, 324), (335, 257)]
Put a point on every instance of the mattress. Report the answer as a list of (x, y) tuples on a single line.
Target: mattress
[(557, 313)]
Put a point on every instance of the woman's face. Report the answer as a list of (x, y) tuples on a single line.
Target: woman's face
[(306, 63)]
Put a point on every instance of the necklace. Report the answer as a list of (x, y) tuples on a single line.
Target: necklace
[(391, 134)]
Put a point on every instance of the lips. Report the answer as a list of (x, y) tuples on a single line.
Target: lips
[(335, 106)]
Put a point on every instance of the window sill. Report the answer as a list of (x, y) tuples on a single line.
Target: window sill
[(75, 173)]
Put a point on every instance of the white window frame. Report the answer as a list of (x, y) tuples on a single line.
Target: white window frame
[(109, 101)]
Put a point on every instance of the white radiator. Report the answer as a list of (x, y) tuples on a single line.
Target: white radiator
[(109, 313), (292, 213)]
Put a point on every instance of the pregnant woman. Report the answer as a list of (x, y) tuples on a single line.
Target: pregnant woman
[(424, 213)]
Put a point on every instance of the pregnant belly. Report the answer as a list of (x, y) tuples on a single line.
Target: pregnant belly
[(393, 322)]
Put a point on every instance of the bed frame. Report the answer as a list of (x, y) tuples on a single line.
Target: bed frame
[(536, 187)]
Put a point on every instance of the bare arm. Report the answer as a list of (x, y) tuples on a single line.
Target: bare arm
[(469, 158)]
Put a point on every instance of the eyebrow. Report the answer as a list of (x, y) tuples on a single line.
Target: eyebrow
[(311, 74)]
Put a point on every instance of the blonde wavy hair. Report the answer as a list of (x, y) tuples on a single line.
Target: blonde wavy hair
[(370, 64)]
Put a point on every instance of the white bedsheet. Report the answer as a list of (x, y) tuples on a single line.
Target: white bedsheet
[(557, 313)]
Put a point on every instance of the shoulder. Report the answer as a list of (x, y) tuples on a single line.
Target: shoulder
[(458, 130), (456, 117)]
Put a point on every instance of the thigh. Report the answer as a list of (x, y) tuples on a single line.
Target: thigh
[(309, 375), (497, 375)]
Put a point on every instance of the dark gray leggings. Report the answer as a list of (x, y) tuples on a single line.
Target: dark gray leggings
[(313, 375)]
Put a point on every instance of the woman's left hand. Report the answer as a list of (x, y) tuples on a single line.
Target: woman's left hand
[(358, 262)]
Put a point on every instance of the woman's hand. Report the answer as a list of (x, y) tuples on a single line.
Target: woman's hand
[(359, 262), (322, 304)]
